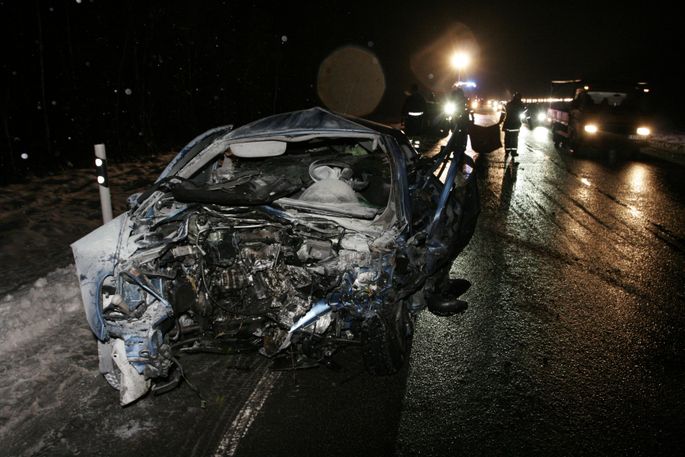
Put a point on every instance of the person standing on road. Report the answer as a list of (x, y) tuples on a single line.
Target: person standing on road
[(511, 123), (463, 117), (413, 111)]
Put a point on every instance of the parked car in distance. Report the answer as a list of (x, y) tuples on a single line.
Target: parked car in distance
[(536, 115), (601, 115)]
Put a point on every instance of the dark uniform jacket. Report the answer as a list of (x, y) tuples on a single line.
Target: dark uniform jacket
[(512, 119)]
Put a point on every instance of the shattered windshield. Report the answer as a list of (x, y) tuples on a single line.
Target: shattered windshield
[(344, 177)]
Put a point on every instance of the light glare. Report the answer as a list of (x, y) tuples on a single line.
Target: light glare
[(591, 128), (460, 60)]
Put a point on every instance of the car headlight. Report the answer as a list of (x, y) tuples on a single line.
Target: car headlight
[(542, 117), (450, 108), (591, 128), (644, 131)]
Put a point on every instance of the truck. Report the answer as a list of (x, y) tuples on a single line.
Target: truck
[(599, 115)]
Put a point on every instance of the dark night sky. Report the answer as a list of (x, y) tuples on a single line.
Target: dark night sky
[(189, 66)]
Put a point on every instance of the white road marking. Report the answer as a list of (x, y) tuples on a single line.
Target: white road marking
[(247, 414)]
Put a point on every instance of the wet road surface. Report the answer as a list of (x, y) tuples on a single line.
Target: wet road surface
[(573, 344)]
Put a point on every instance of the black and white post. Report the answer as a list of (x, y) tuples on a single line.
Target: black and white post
[(103, 182)]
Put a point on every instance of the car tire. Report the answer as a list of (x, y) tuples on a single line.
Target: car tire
[(556, 137), (576, 142), (386, 339)]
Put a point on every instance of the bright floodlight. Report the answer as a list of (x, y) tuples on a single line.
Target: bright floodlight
[(591, 128), (460, 60), (450, 108)]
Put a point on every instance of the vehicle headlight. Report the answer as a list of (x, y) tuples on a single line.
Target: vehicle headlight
[(542, 117), (522, 116), (644, 131), (474, 104), (591, 128), (450, 108)]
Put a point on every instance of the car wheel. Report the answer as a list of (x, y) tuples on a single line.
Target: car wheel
[(556, 138), (575, 140), (386, 339)]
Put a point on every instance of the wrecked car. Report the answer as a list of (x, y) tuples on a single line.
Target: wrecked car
[(295, 235)]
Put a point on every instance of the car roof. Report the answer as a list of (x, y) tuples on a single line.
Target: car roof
[(302, 122)]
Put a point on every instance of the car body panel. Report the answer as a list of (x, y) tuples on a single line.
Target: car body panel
[(95, 256)]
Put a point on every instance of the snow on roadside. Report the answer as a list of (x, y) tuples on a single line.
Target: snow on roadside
[(32, 310), (40, 218), (674, 142)]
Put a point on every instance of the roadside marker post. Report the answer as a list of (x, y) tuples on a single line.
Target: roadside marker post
[(103, 182)]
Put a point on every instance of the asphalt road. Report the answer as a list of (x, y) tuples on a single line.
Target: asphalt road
[(573, 344)]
